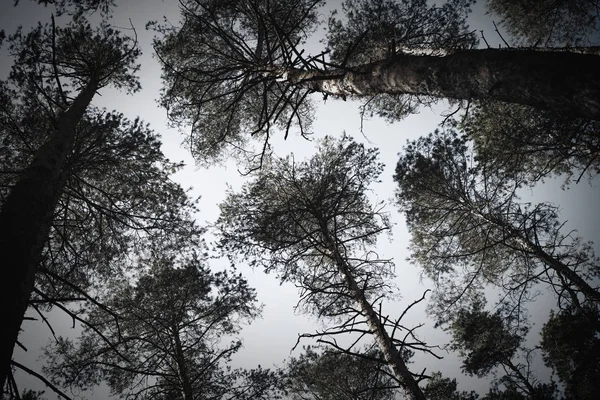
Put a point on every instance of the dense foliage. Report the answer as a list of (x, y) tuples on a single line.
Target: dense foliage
[(330, 375), (531, 145), (312, 223), (571, 347)]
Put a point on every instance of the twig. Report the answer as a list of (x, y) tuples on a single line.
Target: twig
[(499, 34)]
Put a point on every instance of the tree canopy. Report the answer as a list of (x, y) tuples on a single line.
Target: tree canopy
[(468, 229), (571, 347), (162, 336), (329, 375), (530, 144), (83, 189), (235, 70), (219, 69), (549, 22), (313, 224), (94, 225)]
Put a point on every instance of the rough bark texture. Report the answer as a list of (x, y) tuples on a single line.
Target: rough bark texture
[(390, 353), (563, 82), (25, 222)]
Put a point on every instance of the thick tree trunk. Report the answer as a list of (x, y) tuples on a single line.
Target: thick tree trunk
[(386, 345), (25, 222), (563, 82)]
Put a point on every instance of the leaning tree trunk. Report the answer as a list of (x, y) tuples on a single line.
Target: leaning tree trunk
[(552, 262), (562, 269), (25, 222), (386, 345), (562, 82)]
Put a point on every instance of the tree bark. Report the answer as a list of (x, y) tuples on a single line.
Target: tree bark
[(386, 345), (25, 222), (563, 82), (188, 393)]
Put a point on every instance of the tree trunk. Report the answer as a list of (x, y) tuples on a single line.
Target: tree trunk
[(522, 378), (563, 82), (25, 222), (552, 262), (589, 292), (188, 393), (390, 353)]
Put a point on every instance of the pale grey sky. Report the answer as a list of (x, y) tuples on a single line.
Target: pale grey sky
[(268, 341)]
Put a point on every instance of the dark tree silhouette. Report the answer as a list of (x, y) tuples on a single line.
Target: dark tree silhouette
[(82, 189), (86, 60), (161, 337), (441, 388), (549, 22), (571, 347), (77, 8), (236, 69), (313, 223), (327, 374), (468, 229), (530, 144), (487, 341)]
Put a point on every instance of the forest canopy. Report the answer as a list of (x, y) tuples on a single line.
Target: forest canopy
[(377, 200)]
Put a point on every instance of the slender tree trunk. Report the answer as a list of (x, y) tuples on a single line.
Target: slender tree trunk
[(386, 345), (522, 378), (589, 292), (188, 393), (566, 83), (555, 264), (25, 222)]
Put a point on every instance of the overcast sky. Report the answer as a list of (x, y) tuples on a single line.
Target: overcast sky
[(268, 341)]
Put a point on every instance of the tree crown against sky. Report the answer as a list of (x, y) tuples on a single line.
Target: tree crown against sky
[(329, 375), (77, 7), (118, 192), (571, 347), (549, 22), (135, 145), (442, 388), (533, 145), (484, 340), (230, 62), (239, 69), (87, 186), (279, 220), (225, 81), (368, 31), (66, 58), (313, 223), (170, 334), (468, 229)]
